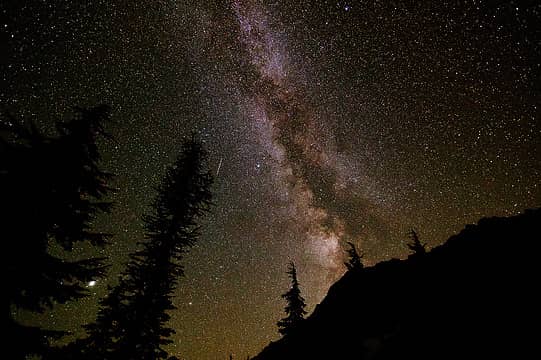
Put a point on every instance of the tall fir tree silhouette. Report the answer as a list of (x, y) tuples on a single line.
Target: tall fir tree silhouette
[(415, 244), (132, 321), (51, 189), (295, 304), (354, 259)]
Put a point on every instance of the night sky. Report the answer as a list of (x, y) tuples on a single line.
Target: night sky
[(325, 122)]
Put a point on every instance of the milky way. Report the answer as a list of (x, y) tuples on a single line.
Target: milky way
[(313, 175), (289, 134)]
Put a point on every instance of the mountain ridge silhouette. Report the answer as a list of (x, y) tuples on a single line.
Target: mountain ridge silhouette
[(473, 296)]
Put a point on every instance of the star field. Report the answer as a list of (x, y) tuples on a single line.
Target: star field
[(325, 122)]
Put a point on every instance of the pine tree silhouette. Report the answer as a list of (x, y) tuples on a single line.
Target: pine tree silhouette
[(295, 304), (415, 245), (354, 262), (51, 189), (132, 321)]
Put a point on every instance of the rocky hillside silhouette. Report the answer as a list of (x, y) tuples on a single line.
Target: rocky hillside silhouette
[(475, 296)]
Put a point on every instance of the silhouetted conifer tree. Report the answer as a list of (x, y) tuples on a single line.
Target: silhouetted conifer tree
[(131, 323), (354, 262), (295, 304), (51, 189), (415, 245)]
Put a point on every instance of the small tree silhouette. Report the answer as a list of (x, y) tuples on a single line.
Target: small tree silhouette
[(354, 262), (295, 304), (415, 245)]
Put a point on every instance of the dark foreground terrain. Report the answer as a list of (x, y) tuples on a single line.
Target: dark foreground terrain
[(474, 297)]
